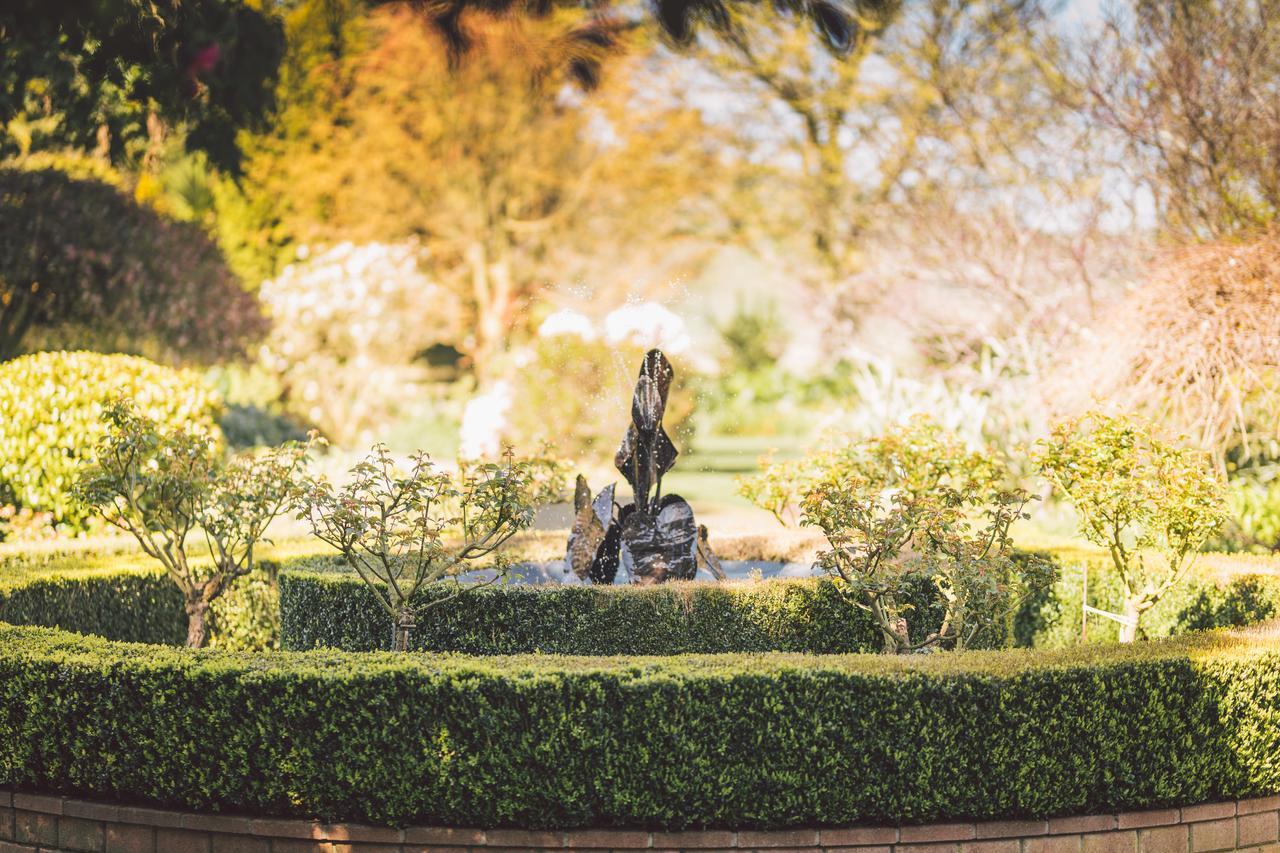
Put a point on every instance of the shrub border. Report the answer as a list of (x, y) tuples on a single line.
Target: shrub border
[(1221, 690)]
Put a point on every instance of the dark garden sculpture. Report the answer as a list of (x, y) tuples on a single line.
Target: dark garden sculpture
[(655, 537)]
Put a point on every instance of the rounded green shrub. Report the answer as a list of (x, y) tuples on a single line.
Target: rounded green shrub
[(50, 405)]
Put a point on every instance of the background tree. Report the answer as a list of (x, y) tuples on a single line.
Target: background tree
[(493, 165), (80, 252), (910, 111), (1188, 89), (111, 75)]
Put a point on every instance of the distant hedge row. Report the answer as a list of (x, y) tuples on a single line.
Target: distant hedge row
[(332, 610), (693, 741)]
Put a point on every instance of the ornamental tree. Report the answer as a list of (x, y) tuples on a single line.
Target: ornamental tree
[(405, 530), (1149, 502), (910, 506), (164, 486)]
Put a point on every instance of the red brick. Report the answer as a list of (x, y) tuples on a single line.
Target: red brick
[(1259, 804), (127, 838), (299, 845), (861, 848), (443, 835), (239, 844), (1052, 844), (523, 838), (777, 838), (1082, 823), (1208, 811), (1010, 828), (10, 847), (1164, 839), (38, 803), (1006, 845), (936, 832), (854, 836), (1158, 817), (90, 810), (181, 841), (1213, 835), (630, 839), (150, 817), (1116, 841), (35, 828), (696, 839), (363, 847), (229, 824), (1256, 829), (360, 832), (435, 848), (284, 828), (79, 834), (926, 848)]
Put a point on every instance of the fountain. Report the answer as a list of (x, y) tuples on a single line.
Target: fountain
[(654, 538)]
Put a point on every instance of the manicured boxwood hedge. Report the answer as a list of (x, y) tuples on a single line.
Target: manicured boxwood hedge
[(724, 740), (141, 607), (335, 610)]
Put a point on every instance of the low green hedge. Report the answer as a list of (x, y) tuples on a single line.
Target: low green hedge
[(1202, 602), (692, 741), (336, 610), (141, 607)]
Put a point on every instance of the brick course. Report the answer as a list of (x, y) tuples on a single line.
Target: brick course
[(38, 823)]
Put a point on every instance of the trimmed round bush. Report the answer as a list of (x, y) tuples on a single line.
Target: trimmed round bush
[(50, 404), (691, 741)]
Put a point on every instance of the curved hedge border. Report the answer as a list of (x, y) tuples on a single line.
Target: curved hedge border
[(335, 610), (725, 740)]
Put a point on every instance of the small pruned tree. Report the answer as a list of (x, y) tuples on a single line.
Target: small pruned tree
[(909, 507), (1149, 502), (403, 531), (164, 486)]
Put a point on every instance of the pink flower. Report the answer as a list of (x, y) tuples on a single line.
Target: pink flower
[(205, 59)]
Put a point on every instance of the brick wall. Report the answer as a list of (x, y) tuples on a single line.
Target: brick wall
[(32, 823)]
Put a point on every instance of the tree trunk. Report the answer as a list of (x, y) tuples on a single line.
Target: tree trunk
[(401, 628), (1133, 610), (894, 632), (494, 292), (197, 623)]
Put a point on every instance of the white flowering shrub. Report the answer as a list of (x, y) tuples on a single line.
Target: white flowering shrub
[(485, 422), (350, 325), (570, 389), (647, 325)]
